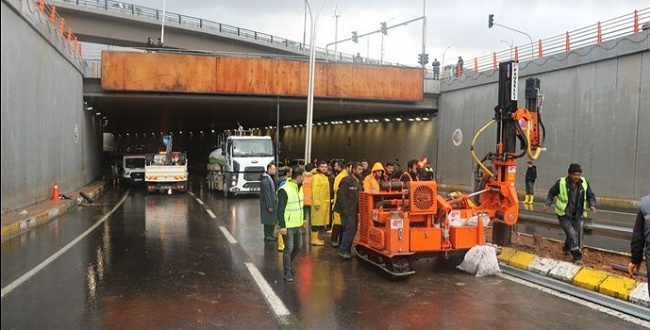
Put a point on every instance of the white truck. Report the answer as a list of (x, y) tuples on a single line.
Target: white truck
[(166, 170), (133, 169), (163, 174), (237, 166)]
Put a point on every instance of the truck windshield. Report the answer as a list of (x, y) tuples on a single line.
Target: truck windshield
[(252, 147), (133, 162)]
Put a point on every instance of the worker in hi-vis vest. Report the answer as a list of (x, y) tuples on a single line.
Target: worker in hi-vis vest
[(291, 219), (573, 196)]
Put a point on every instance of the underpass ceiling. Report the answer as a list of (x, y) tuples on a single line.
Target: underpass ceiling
[(155, 112)]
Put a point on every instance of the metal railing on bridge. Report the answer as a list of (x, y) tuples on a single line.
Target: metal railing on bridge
[(597, 33)]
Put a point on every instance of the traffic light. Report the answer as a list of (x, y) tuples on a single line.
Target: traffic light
[(384, 28), (423, 59), (490, 20), (354, 36)]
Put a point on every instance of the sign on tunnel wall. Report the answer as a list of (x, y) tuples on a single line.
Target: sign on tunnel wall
[(153, 72)]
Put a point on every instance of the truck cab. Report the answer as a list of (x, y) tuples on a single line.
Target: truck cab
[(242, 161), (133, 169)]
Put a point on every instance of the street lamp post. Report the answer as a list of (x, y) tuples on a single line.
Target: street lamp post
[(310, 85)]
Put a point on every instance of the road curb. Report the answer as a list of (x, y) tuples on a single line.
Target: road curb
[(29, 222), (600, 281)]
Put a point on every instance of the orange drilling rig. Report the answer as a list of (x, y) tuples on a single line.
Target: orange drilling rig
[(402, 223)]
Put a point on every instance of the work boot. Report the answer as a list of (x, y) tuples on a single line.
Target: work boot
[(280, 243), (336, 235), (315, 240)]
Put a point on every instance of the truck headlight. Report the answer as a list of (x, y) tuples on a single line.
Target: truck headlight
[(233, 183)]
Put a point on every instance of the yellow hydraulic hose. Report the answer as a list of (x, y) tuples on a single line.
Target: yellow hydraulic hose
[(529, 152), (473, 154)]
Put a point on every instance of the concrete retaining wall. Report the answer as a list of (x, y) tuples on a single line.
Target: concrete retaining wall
[(374, 142), (46, 134), (596, 111)]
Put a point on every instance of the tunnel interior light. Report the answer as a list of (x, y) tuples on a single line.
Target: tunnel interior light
[(212, 131), (357, 121), (348, 121), (398, 119), (387, 120), (425, 118), (418, 119), (411, 119)]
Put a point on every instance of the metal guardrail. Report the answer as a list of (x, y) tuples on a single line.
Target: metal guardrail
[(619, 305)]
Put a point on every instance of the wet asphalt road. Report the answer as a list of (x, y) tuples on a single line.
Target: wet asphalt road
[(162, 262)]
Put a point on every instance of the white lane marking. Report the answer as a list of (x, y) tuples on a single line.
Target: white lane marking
[(191, 194), (211, 214), (279, 309), (226, 233), (579, 301), (200, 201), (63, 250)]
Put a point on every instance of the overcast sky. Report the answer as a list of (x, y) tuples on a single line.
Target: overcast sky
[(459, 24)]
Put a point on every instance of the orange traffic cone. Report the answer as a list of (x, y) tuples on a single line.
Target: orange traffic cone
[(55, 192)]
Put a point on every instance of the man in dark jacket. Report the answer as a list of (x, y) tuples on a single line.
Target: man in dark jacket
[(573, 196), (641, 238), (268, 202), (411, 173), (347, 204), (531, 176)]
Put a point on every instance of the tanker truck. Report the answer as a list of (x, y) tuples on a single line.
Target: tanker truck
[(236, 167)]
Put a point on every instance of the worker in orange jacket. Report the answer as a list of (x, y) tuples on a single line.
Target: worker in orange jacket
[(306, 189), (372, 182)]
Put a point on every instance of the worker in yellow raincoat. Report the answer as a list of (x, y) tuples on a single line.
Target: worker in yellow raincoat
[(320, 202)]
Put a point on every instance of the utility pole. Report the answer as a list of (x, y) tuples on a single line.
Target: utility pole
[(162, 26), (310, 85), (336, 30), (367, 48), (304, 27)]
